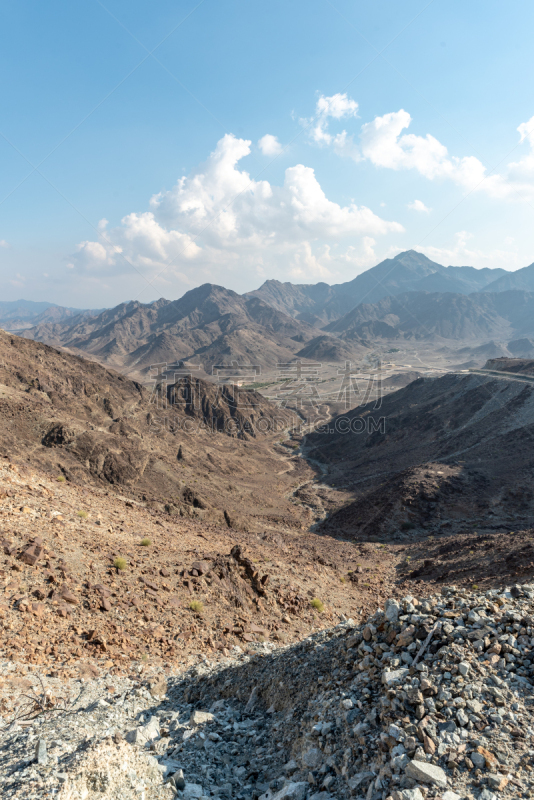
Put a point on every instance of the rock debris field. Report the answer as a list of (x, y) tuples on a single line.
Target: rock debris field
[(429, 698)]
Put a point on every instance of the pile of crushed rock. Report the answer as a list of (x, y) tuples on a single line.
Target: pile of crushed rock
[(428, 699)]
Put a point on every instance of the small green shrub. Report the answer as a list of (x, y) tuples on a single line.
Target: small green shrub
[(61, 479), (197, 606), (83, 514), (146, 542), (317, 604), (120, 563)]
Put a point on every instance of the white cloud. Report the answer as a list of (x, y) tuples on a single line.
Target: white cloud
[(418, 205), (220, 219), (526, 131), (3, 243), (359, 258), (269, 145), (381, 143), (337, 106), (384, 143)]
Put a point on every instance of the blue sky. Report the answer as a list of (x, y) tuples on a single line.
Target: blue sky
[(134, 162)]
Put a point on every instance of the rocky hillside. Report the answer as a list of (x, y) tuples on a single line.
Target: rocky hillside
[(195, 449), (523, 366), (441, 455), (209, 324), (428, 698), (175, 623)]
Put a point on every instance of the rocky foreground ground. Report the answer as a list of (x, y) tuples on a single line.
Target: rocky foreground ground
[(183, 629), (428, 698)]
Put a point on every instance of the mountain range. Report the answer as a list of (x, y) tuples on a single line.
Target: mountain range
[(210, 324), (407, 297), (407, 272), (429, 315), (16, 315)]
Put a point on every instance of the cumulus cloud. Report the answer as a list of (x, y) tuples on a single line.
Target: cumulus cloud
[(384, 145), (269, 145), (219, 219), (384, 142), (526, 131), (418, 205), (337, 106)]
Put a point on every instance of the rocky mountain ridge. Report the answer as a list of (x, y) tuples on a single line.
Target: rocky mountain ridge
[(408, 297), (409, 271), (180, 445), (439, 316), (208, 324)]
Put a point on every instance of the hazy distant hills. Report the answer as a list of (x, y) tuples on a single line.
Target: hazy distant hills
[(421, 315), (16, 315), (21, 309), (408, 272), (407, 297), (521, 279)]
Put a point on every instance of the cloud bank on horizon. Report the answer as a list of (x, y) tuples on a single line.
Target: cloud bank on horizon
[(220, 220)]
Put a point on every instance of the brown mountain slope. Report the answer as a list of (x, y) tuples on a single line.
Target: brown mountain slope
[(193, 589), (190, 447), (208, 324), (331, 348), (148, 482), (450, 453)]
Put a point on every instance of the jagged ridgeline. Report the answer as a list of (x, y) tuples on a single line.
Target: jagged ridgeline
[(180, 447)]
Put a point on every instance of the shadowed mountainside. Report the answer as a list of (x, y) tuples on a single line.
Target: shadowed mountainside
[(443, 454)]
